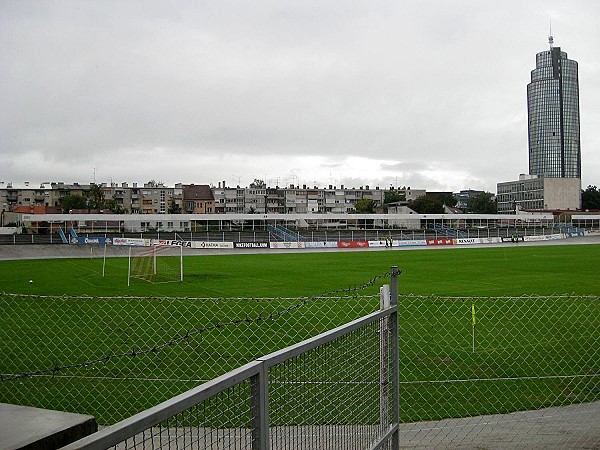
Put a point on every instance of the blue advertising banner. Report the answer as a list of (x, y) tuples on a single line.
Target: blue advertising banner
[(92, 241)]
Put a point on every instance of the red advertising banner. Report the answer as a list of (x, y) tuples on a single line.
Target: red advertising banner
[(353, 244), (445, 241)]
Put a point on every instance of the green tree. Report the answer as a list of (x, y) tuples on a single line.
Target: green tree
[(426, 205), (590, 198), (95, 197), (258, 184), (70, 202), (114, 206), (483, 203), (365, 206), (174, 208), (445, 198), (393, 196)]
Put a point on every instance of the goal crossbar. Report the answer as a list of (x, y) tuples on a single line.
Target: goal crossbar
[(155, 264)]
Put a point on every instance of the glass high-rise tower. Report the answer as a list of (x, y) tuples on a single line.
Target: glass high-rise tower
[(553, 113)]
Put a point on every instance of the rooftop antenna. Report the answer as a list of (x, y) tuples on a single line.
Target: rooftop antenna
[(550, 37)]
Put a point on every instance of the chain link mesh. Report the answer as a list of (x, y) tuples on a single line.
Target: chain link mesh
[(325, 395), (113, 357), (463, 357), (221, 422), (330, 397), (495, 371)]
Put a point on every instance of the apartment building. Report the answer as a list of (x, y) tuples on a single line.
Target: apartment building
[(156, 198), (198, 199), (13, 196), (533, 193)]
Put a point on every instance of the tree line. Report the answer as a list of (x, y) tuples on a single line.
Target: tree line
[(482, 203)]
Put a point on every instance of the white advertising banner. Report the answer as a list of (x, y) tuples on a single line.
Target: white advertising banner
[(410, 243), (466, 241), (209, 245), (333, 244), (556, 236), (491, 240), (548, 237), (287, 244), (172, 243), (136, 242), (470, 241), (535, 238)]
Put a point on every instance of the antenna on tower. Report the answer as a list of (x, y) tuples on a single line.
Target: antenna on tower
[(550, 37)]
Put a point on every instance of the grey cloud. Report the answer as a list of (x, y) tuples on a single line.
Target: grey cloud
[(431, 85)]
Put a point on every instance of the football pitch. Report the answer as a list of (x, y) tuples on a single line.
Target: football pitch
[(70, 313), (502, 271)]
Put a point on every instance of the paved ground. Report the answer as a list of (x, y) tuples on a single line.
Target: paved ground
[(567, 427), (46, 251), (34, 428)]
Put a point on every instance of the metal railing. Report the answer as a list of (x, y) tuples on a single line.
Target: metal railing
[(304, 235), (336, 390)]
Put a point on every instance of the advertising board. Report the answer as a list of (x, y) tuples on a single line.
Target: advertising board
[(287, 244), (136, 242), (353, 244), (210, 244), (250, 245), (442, 241), (410, 242)]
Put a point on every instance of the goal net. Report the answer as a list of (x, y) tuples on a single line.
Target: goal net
[(155, 264)]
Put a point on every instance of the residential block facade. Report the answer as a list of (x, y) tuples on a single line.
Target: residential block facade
[(156, 198), (533, 193)]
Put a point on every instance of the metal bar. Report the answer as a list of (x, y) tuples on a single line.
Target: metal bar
[(384, 349), (394, 336), (113, 435), (381, 443), (259, 409), (323, 338)]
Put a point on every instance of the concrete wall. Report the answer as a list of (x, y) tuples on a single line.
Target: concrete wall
[(562, 193)]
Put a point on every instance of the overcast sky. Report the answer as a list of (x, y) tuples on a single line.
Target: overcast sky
[(427, 94)]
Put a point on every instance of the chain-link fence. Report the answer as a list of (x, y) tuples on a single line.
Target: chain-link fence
[(333, 391), (115, 356), (488, 360), (500, 371)]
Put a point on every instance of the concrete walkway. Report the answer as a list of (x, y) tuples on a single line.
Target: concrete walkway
[(48, 251), (23, 427), (565, 427)]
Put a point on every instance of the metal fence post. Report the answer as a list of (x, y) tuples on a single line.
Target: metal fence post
[(394, 337), (259, 409), (384, 363)]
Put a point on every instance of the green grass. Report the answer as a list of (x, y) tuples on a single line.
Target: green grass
[(470, 272), (515, 337)]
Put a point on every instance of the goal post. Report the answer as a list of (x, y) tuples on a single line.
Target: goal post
[(155, 264)]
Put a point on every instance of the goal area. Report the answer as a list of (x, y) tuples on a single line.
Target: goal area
[(155, 264)]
